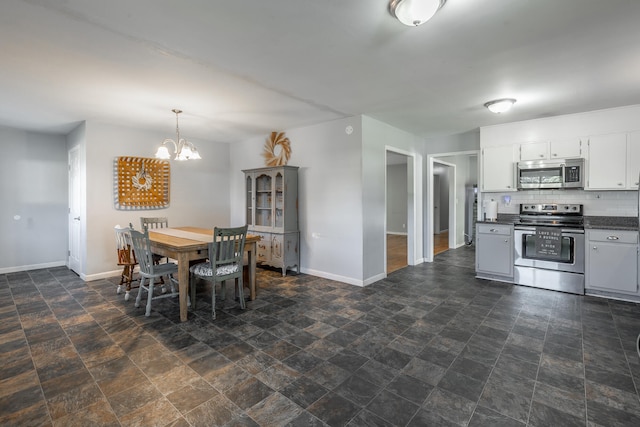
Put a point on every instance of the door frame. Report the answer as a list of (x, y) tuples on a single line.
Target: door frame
[(430, 203), (412, 204)]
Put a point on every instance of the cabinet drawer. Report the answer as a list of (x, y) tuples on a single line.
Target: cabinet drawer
[(613, 236), (502, 229)]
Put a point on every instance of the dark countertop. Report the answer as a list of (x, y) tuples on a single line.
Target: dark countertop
[(507, 219), (590, 222), (611, 222)]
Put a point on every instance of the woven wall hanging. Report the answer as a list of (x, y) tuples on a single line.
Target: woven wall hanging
[(141, 183)]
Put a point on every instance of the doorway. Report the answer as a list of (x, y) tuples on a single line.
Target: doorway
[(443, 211), (399, 208), (462, 168)]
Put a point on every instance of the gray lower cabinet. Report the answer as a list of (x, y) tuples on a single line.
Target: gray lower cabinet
[(612, 261), (494, 251)]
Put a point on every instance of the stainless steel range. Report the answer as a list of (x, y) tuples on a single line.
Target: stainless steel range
[(549, 247)]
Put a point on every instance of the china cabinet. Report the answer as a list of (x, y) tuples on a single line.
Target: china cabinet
[(272, 214)]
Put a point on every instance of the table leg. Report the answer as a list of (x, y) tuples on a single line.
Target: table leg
[(183, 284), (251, 255)]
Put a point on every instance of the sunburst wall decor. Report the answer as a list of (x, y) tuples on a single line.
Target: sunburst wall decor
[(277, 150)]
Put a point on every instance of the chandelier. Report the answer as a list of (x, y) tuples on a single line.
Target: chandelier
[(183, 149)]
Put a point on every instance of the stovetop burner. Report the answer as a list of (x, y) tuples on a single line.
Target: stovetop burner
[(551, 215)]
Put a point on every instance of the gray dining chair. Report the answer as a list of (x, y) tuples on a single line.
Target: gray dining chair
[(153, 223), (225, 262), (151, 271)]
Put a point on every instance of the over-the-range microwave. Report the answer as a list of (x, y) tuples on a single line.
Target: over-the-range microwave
[(550, 174)]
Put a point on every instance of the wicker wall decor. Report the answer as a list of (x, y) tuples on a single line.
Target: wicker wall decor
[(141, 183)]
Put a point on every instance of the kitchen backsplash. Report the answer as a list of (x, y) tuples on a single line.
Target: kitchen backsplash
[(596, 203)]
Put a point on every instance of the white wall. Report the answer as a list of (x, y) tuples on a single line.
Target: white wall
[(329, 194), (397, 199), (376, 138), (33, 186), (199, 189)]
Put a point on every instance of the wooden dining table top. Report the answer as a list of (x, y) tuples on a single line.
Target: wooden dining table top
[(186, 243)]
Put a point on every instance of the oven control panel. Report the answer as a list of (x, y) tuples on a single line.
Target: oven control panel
[(551, 209)]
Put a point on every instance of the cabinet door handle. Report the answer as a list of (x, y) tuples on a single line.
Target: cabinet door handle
[(613, 238), (620, 184), (506, 240), (595, 248), (541, 155)]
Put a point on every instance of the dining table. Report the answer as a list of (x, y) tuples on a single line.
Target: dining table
[(186, 244)]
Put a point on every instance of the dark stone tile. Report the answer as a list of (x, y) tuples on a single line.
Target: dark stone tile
[(305, 419), (613, 379), (483, 417), (471, 368), (248, 393), (328, 375), (334, 410), (444, 408), (436, 356), (358, 390), (410, 388), (542, 415), (304, 391), (348, 360), (517, 366), (393, 358), (605, 415), (281, 350), (461, 385), (369, 419), (302, 361), (508, 395), (376, 373)]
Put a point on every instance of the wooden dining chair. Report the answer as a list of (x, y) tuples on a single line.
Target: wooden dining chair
[(126, 259), (225, 262), (151, 271)]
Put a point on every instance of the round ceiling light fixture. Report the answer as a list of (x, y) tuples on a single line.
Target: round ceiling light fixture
[(500, 105), (414, 12)]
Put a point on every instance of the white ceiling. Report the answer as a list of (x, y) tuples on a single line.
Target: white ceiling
[(246, 67)]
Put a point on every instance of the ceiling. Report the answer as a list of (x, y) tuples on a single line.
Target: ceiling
[(243, 68)]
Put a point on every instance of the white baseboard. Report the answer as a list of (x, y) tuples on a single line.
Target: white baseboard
[(397, 233), (337, 278), (17, 269)]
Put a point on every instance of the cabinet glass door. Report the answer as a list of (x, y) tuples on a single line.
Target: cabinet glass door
[(249, 204), (279, 210), (263, 201)]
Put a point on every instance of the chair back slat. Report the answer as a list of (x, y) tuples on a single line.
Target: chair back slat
[(227, 246), (142, 248), (123, 246), (154, 222)]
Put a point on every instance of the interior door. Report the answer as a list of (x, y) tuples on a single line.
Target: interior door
[(75, 197)]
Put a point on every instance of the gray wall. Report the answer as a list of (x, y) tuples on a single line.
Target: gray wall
[(33, 186)]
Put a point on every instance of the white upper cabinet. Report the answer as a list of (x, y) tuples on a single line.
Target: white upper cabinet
[(607, 168), (565, 149), (534, 151), (633, 160), (556, 149), (498, 165)]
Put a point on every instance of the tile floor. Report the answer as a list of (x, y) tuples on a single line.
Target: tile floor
[(428, 346)]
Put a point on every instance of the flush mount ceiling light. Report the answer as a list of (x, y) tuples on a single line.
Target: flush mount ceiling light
[(500, 105), (414, 12), (183, 149)]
